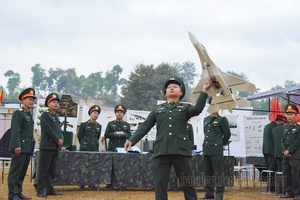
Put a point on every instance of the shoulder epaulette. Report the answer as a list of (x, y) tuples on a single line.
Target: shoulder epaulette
[(84, 121), (285, 124), (298, 123), (221, 115), (20, 109), (46, 111)]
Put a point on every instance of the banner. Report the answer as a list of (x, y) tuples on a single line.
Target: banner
[(254, 129)]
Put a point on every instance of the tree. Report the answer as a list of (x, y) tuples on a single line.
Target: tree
[(13, 82), (39, 77)]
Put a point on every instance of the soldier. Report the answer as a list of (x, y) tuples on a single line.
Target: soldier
[(21, 144), (117, 131), (50, 144), (216, 134), (172, 145), (89, 133), (290, 143), (276, 133)]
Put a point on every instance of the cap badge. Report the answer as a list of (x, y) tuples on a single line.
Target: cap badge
[(31, 92)]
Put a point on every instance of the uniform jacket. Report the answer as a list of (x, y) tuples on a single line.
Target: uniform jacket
[(189, 128), (21, 131), (216, 134), (117, 141), (276, 133), (88, 136), (291, 140), (268, 143), (171, 124), (51, 131)]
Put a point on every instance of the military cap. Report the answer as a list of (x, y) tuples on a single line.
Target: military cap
[(175, 80), (281, 118), (120, 107), (94, 108), (28, 92), (291, 108), (51, 97)]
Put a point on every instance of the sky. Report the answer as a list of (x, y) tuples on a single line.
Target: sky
[(260, 38)]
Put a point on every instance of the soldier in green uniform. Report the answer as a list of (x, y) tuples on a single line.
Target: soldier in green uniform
[(290, 143), (21, 144), (172, 145), (89, 133), (50, 144), (117, 130), (216, 134), (276, 133)]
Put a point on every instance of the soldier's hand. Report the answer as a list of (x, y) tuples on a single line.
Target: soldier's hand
[(207, 85), (60, 143), (286, 153), (17, 150), (127, 145)]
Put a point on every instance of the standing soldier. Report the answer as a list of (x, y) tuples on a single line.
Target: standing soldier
[(291, 153), (117, 131), (89, 133), (172, 145), (216, 134), (276, 133), (50, 144), (21, 144)]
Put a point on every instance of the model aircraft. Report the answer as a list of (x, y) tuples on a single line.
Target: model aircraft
[(224, 85)]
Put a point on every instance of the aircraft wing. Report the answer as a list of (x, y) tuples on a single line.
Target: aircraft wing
[(237, 84)]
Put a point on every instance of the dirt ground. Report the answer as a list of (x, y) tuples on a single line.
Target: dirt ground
[(73, 192)]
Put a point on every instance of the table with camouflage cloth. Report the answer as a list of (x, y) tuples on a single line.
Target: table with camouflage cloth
[(123, 170)]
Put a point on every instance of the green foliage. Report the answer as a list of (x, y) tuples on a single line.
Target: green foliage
[(13, 82)]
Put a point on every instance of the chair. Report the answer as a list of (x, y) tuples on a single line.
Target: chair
[(279, 181), (240, 170), (269, 179)]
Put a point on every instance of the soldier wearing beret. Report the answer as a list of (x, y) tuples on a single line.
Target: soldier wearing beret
[(89, 132), (290, 143), (276, 134), (117, 130), (21, 144), (50, 144), (172, 145), (216, 134)]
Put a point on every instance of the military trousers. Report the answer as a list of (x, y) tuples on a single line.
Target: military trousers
[(46, 171), (17, 171), (161, 171), (291, 172), (214, 175)]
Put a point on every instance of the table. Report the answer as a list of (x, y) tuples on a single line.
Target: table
[(122, 170)]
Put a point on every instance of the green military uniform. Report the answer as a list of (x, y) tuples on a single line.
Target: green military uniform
[(268, 146), (291, 165), (88, 136), (172, 145), (216, 134), (89, 133), (21, 136), (119, 140), (51, 133), (189, 128), (277, 132)]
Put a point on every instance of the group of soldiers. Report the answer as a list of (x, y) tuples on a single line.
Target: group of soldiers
[(281, 149), (172, 145)]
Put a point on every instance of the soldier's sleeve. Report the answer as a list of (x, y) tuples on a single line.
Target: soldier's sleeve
[(108, 133), (144, 128), (128, 131), (47, 127), (191, 133), (296, 144), (225, 129), (80, 132), (15, 129), (283, 146), (200, 104)]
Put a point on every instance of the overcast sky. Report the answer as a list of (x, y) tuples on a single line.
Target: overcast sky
[(260, 38)]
